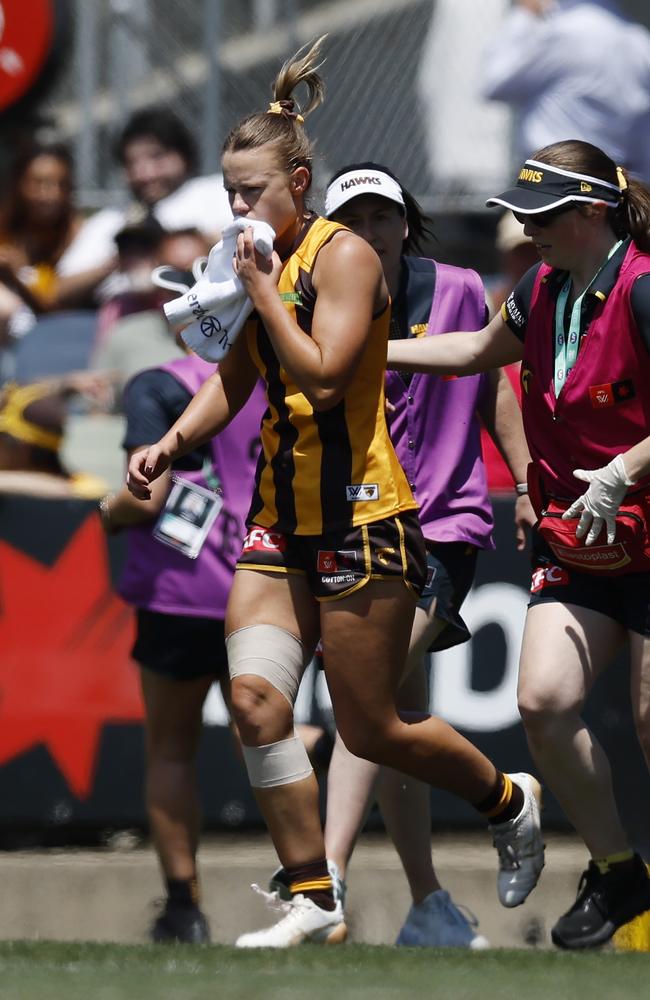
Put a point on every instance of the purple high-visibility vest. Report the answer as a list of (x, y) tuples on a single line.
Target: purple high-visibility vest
[(156, 577), (434, 426)]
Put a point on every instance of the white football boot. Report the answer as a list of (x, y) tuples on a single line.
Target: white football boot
[(303, 921), (519, 845), (437, 922)]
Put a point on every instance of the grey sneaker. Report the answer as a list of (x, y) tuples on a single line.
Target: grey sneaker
[(519, 845)]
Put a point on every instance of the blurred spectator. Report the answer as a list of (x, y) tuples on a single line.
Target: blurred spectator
[(32, 423), (159, 158), (37, 223), (38, 220), (144, 339), (456, 121), (130, 288), (517, 254), (573, 70)]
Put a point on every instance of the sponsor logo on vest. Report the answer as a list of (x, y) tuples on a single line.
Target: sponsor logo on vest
[(262, 540), (526, 376), (419, 329), (365, 491), (360, 181), (601, 395), (532, 176), (585, 188), (611, 393), (623, 390), (548, 576), (598, 557), (291, 297)]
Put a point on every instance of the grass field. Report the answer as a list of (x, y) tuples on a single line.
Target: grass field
[(48, 970)]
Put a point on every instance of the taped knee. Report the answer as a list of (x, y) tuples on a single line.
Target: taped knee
[(279, 763), (268, 652)]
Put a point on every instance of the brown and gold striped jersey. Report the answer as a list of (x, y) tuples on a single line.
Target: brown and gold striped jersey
[(323, 471)]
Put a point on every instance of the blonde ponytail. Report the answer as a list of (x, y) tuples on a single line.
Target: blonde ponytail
[(281, 124)]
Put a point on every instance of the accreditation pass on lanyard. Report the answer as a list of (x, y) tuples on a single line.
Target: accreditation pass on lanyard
[(186, 518)]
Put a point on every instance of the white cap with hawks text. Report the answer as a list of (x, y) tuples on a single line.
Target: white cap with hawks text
[(356, 182)]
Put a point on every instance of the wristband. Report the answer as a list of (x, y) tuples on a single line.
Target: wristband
[(521, 489), (105, 512)]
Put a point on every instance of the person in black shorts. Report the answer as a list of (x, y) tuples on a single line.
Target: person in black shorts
[(180, 596)]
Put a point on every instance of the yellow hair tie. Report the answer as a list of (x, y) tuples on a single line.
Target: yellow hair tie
[(280, 108), (621, 178), (13, 422)]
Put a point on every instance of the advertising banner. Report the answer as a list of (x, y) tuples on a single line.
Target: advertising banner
[(71, 739)]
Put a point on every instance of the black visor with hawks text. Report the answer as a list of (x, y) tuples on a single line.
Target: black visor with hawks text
[(540, 187)]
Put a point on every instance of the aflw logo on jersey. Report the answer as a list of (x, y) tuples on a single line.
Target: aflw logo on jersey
[(366, 491)]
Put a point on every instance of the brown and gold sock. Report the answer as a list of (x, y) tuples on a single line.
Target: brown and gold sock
[(505, 801), (314, 881)]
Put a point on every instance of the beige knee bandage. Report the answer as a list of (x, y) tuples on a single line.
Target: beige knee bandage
[(277, 763), (269, 652)]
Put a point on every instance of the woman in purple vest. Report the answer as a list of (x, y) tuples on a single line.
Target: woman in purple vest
[(580, 323), (181, 552), (434, 425)]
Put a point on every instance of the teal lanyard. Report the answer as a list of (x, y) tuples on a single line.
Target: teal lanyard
[(210, 476), (568, 345)]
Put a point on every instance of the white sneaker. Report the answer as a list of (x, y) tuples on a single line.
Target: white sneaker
[(302, 921), (278, 883), (519, 845), (437, 922)]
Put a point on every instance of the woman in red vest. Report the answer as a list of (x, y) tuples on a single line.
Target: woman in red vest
[(580, 324)]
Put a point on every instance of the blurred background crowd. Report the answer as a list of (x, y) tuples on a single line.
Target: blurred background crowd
[(110, 159)]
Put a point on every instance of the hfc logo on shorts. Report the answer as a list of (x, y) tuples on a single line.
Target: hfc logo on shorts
[(261, 540), (365, 491), (548, 576)]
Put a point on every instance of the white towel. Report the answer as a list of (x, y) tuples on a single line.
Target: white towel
[(217, 302)]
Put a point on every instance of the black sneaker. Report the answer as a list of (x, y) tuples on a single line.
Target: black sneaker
[(180, 925), (604, 903)]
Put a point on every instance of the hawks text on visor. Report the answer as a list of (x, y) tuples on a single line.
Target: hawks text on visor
[(357, 182)]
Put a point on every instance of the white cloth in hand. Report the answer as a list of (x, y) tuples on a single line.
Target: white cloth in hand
[(217, 304), (607, 487)]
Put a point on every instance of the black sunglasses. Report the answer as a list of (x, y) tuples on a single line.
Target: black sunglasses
[(543, 219)]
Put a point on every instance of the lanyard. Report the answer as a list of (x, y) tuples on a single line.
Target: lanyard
[(567, 345), (209, 474)]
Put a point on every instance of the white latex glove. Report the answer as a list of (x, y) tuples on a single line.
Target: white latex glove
[(607, 487)]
